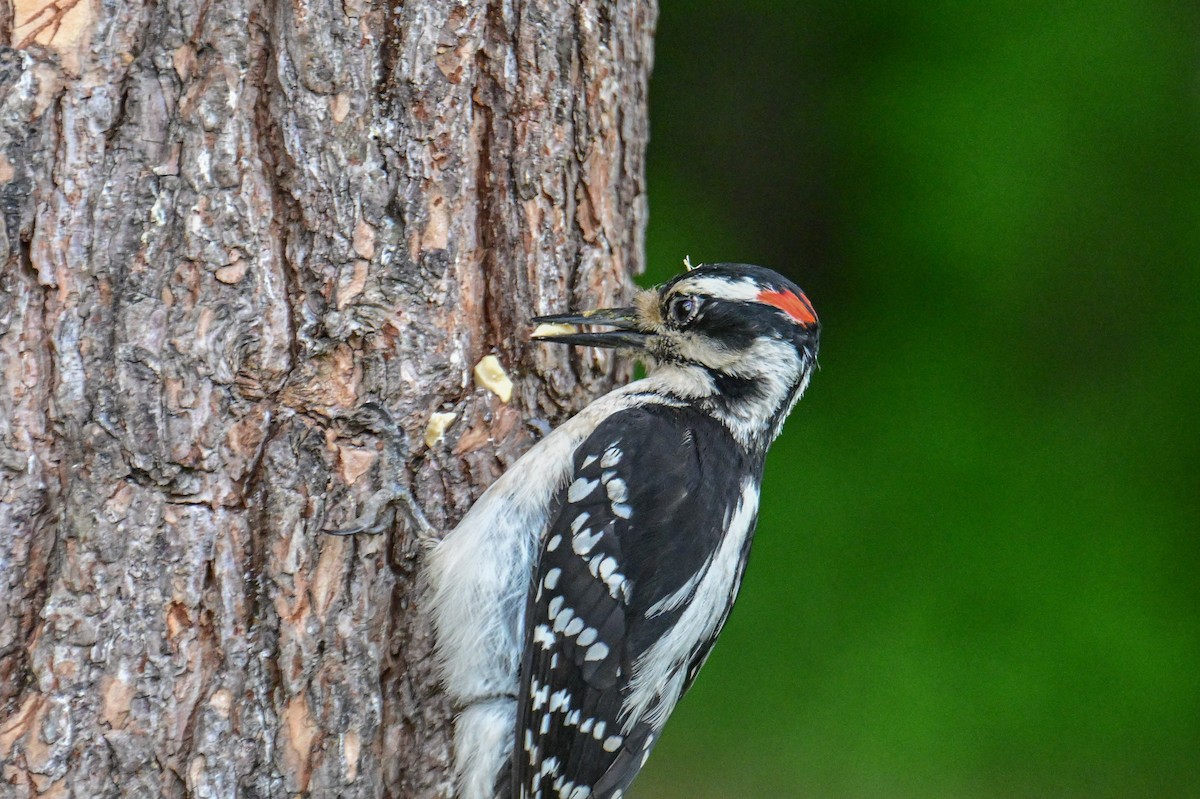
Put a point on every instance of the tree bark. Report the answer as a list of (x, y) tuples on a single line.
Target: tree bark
[(224, 227)]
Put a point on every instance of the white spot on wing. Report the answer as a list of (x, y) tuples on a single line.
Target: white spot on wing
[(597, 651), (580, 489), (583, 542), (560, 700), (543, 637), (552, 576), (617, 490), (563, 619), (612, 456)]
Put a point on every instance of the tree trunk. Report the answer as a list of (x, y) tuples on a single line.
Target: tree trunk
[(225, 225)]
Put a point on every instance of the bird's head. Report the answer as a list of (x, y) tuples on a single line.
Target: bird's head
[(741, 340)]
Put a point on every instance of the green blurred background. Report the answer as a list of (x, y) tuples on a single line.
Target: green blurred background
[(977, 572)]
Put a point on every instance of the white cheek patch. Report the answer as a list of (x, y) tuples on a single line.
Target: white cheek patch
[(703, 351)]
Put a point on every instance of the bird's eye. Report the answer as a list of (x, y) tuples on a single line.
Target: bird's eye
[(683, 310)]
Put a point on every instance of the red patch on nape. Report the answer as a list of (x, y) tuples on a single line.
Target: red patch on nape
[(794, 306)]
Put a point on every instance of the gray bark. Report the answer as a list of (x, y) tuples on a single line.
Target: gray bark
[(223, 227)]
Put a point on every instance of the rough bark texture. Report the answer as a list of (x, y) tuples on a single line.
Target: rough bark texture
[(224, 226)]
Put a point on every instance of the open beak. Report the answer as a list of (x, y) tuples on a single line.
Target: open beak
[(626, 333)]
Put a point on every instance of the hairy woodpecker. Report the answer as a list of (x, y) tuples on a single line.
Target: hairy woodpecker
[(578, 598)]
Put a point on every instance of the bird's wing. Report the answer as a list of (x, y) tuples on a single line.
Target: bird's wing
[(636, 529)]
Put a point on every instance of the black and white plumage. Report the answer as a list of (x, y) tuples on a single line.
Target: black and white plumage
[(576, 601)]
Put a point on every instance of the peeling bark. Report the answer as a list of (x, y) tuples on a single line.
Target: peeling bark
[(224, 227)]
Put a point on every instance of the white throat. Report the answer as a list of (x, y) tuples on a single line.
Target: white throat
[(778, 375)]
